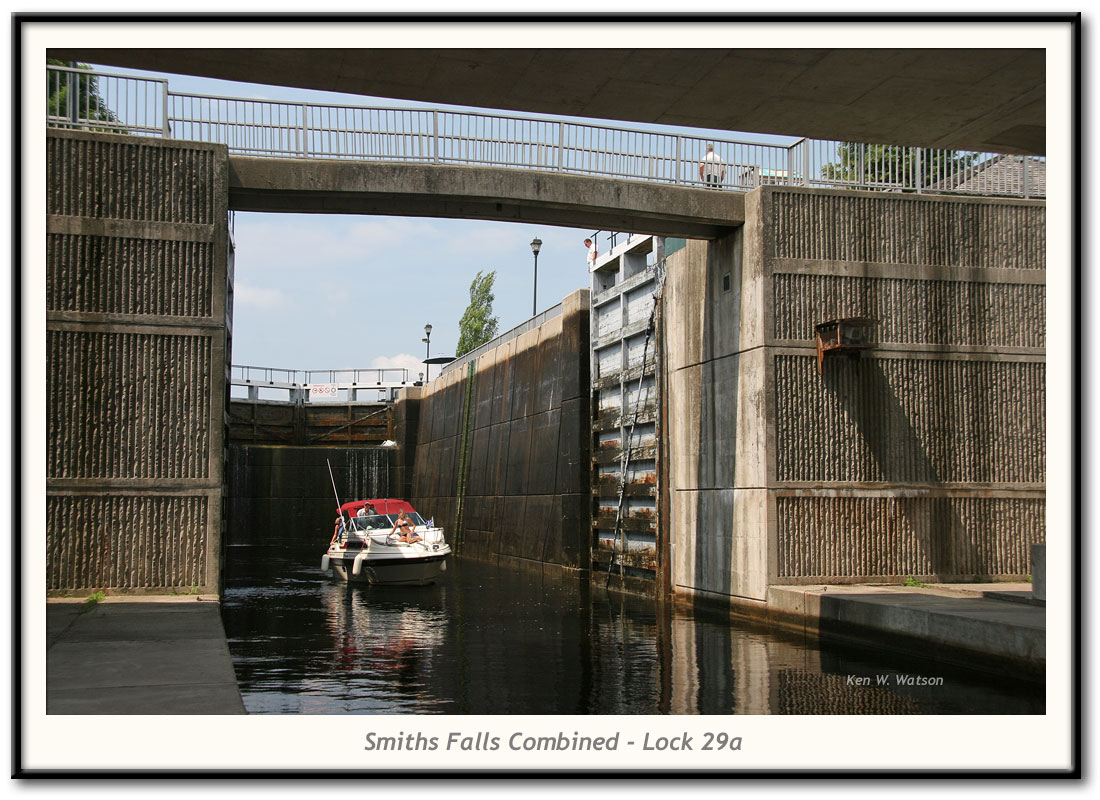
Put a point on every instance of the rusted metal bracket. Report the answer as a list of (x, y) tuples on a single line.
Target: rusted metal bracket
[(851, 335)]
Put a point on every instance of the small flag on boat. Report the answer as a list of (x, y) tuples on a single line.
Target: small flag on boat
[(431, 522)]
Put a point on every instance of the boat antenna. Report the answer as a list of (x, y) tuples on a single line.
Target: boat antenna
[(331, 478)]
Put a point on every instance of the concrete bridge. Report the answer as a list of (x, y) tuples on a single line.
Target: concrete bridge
[(343, 187)]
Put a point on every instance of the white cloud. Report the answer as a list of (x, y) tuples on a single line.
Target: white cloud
[(375, 233), (259, 297), (492, 239), (414, 364)]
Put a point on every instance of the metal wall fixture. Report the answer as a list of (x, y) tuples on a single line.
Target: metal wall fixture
[(848, 335)]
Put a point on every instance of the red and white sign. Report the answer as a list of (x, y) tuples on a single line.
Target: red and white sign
[(322, 391)]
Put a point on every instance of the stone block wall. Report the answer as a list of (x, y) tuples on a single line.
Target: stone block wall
[(924, 457), (502, 447), (137, 346)]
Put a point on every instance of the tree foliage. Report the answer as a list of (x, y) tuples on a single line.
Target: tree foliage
[(894, 165), (89, 104), (478, 325)]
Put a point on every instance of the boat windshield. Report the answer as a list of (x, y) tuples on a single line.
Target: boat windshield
[(381, 522), (371, 522)]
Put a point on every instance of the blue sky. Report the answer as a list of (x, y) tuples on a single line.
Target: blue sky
[(315, 292)]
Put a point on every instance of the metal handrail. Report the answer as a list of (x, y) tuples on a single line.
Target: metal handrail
[(281, 129), (295, 377), (106, 101)]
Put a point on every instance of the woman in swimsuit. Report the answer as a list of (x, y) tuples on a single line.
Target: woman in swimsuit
[(406, 527)]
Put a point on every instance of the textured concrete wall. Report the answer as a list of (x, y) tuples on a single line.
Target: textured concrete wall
[(925, 457), (502, 453), (136, 352)]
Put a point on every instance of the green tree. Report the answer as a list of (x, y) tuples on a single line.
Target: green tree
[(896, 165), (478, 325), (89, 104)]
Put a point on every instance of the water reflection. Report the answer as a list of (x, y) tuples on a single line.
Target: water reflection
[(493, 641)]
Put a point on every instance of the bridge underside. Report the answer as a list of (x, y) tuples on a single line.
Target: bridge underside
[(434, 190), (988, 99)]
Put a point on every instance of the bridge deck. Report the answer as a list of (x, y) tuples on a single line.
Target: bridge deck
[(359, 187)]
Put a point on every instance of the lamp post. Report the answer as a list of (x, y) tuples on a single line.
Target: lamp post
[(427, 340), (536, 244)]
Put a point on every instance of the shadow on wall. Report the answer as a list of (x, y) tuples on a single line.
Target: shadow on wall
[(718, 399), (900, 456)]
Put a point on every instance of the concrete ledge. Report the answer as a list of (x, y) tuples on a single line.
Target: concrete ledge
[(1039, 571), (1015, 597), (956, 625), (148, 656)]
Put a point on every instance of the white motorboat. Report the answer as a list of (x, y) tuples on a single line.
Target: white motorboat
[(367, 548)]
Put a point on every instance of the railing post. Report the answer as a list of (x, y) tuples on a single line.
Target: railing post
[(435, 136), (166, 129), (805, 162), (679, 163), (918, 178), (71, 97), (305, 149), (1027, 178), (561, 147)]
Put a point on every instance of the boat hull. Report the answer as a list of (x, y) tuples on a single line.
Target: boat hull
[(396, 571)]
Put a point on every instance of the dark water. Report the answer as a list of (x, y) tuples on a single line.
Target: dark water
[(491, 641)]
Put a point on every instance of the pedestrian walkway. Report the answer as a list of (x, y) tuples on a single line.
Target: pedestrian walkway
[(998, 626), (139, 656)]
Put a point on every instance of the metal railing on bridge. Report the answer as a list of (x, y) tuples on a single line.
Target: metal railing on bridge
[(105, 101), (273, 384)]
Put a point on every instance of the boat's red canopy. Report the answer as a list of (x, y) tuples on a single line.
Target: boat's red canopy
[(381, 506)]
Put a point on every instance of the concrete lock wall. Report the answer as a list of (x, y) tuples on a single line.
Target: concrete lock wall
[(279, 495), (136, 362), (924, 457), (502, 447)]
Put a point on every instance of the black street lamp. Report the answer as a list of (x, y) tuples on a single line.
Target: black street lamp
[(427, 340), (535, 245)]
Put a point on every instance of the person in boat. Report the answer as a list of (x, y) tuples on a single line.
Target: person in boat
[(338, 529), (361, 518), (404, 528)]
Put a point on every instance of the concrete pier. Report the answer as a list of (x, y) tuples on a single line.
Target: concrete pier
[(924, 456), (156, 655), (138, 342), (993, 627)]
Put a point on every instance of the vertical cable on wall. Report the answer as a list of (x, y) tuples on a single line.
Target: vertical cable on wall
[(464, 457)]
